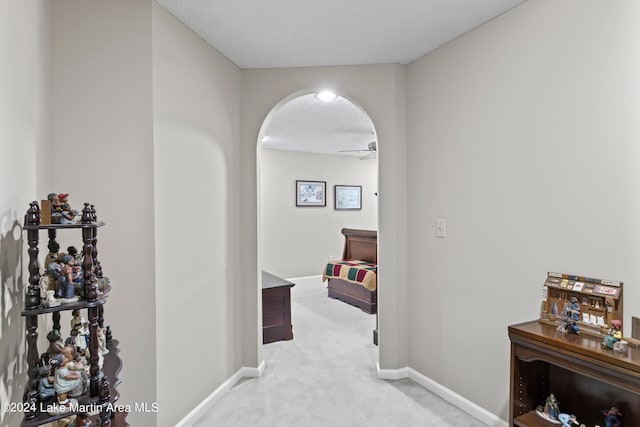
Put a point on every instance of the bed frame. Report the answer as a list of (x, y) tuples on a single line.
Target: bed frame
[(361, 245)]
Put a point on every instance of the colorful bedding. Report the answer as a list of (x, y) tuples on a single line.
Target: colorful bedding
[(354, 271)]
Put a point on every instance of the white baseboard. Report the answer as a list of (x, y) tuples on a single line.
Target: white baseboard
[(219, 392), (293, 279), (444, 393)]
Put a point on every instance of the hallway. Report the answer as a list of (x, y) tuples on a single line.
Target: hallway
[(326, 376)]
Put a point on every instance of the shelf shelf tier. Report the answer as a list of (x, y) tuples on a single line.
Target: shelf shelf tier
[(100, 390)]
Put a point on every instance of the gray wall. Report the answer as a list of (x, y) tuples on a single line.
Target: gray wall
[(523, 134), (298, 241), (24, 139), (196, 113), (102, 152)]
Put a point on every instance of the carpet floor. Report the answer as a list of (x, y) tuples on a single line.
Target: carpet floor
[(326, 376)]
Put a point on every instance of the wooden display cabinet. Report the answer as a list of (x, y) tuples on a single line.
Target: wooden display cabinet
[(600, 301), (101, 394), (585, 377)]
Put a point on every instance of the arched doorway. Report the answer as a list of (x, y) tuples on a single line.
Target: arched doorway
[(330, 142)]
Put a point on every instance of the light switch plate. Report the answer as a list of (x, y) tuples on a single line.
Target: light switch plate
[(441, 228)]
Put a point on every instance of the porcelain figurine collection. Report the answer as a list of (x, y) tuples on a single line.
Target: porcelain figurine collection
[(550, 412)]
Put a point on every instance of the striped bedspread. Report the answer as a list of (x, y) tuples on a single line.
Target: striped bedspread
[(354, 271)]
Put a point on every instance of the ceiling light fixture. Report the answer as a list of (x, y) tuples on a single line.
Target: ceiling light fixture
[(326, 95)]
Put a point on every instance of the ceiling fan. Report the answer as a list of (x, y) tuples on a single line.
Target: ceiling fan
[(371, 149)]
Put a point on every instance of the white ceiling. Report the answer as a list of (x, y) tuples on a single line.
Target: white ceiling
[(302, 33), (327, 127)]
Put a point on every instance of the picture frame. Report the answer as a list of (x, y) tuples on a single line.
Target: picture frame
[(348, 197), (311, 193)]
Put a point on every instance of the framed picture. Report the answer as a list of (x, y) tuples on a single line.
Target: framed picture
[(311, 193), (348, 196)]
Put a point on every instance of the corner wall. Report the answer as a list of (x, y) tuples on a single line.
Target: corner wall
[(24, 139), (523, 134), (298, 241)]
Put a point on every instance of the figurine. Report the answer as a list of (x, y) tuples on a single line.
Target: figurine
[(81, 327), (551, 409), (567, 420), (611, 417), (66, 282), (614, 335), (53, 255), (77, 364), (64, 383), (73, 251), (55, 345), (102, 342), (56, 209), (45, 386), (69, 216), (49, 280), (570, 313), (82, 420), (574, 309)]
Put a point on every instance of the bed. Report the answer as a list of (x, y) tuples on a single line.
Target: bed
[(353, 279)]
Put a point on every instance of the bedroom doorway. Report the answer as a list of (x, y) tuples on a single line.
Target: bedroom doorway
[(326, 145)]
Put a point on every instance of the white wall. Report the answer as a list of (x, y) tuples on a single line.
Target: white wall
[(380, 91), (523, 134), (196, 114), (101, 123), (24, 130), (298, 241)]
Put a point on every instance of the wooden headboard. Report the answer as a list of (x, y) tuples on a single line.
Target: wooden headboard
[(360, 244)]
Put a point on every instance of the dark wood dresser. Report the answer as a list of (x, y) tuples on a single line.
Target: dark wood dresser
[(276, 308), (585, 378)]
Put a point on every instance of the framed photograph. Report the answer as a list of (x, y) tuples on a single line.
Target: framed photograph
[(348, 196), (311, 193)]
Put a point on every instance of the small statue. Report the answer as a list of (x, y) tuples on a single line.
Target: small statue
[(67, 280), (55, 345), (81, 327), (551, 408), (611, 417), (574, 309), (54, 253), (614, 335), (69, 216), (102, 342), (49, 280), (77, 363), (82, 420), (567, 420), (56, 210), (570, 314), (45, 385), (64, 383)]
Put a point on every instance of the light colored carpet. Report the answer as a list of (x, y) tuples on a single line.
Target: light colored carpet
[(326, 376)]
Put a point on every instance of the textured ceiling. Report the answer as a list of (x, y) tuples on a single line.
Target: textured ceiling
[(303, 33), (309, 124), (300, 33)]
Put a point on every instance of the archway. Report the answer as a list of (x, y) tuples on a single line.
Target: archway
[(308, 139)]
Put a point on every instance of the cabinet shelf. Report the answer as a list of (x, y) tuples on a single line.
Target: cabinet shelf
[(531, 419), (101, 394), (78, 305), (92, 224), (584, 377), (111, 369)]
